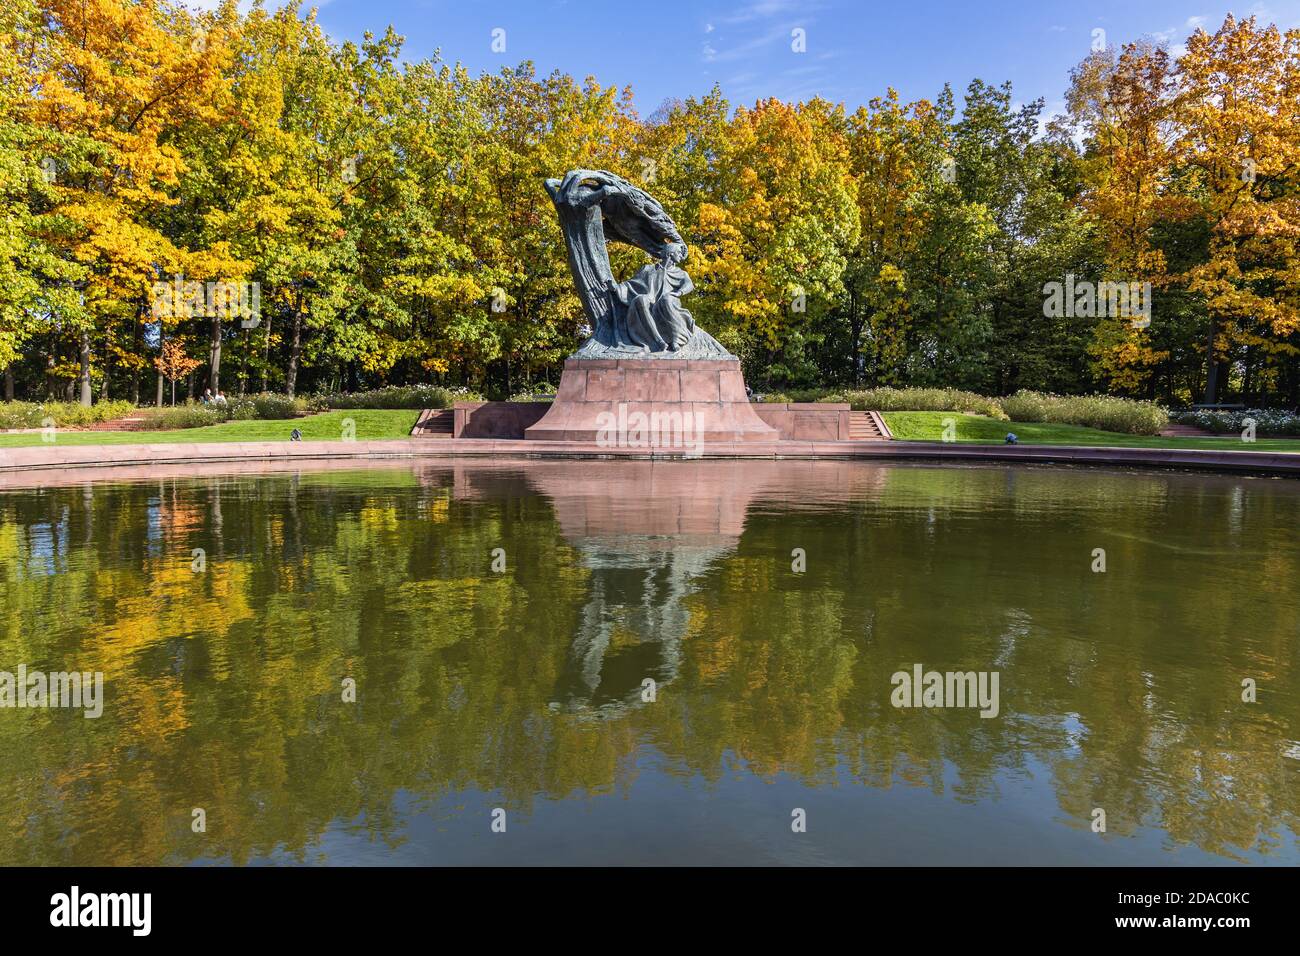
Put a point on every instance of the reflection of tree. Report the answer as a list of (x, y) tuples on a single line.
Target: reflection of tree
[(224, 687)]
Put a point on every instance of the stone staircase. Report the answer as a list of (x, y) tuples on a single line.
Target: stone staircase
[(440, 423), (868, 426), (435, 423), (128, 424)]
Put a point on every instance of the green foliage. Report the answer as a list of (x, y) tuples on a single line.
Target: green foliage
[(1267, 421), (63, 414), (188, 415), (537, 392), (923, 399), (398, 396), (392, 217), (1106, 412), (365, 424), (935, 426), (264, 405), (192, 414)]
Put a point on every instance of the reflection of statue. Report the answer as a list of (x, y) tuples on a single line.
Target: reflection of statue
[(648, 532), (642, 317), (633, 624)]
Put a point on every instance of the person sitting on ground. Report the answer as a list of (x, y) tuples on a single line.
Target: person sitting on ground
[(220, 399), (207, 396)]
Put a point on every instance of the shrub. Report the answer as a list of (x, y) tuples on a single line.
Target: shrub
[(1025, 406), (1268, 421), (264, 405), (806, 395), (396, 396), (1106, 412), (189, 415), (64, 414), (884, 399), (801, 395), (537, 392)]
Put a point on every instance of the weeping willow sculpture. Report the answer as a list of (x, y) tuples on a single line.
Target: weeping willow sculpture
[(641, 317)]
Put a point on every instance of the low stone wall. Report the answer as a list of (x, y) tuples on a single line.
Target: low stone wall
[(26, 464), (496, 419), (806, 421)]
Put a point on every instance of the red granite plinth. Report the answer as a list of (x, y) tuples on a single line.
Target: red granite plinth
[(655, 402)]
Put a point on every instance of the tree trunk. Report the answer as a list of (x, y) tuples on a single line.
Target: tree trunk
[(84, 355), (214, 357), (266, 356), (160, 389), (136, 331), (1212, 364), (295, 351), (856, 359), (9, 383)]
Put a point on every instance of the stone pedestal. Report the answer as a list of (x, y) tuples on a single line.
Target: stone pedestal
[(651, 403)]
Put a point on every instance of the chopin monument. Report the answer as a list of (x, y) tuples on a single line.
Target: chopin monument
[(645, 355)]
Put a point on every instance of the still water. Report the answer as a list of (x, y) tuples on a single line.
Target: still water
[(624, 658)]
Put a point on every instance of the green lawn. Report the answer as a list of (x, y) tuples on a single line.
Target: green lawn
[(928, 426), (370, 423)]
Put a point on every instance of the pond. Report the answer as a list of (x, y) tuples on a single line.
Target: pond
[(632, 662)]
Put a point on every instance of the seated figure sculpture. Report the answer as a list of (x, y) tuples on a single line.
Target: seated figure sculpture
[(642, 317)]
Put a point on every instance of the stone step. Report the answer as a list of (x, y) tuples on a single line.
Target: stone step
[(863, 427), (435, 423), (130, 424)]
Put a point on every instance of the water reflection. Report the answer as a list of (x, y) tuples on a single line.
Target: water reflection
[(525, 688)]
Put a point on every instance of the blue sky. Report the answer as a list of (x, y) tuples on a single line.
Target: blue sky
[(854, 50)]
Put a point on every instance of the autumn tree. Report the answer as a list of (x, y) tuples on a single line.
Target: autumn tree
[(771, 241), (36, 281), (173, 363), (1239, 141), (116, 80)]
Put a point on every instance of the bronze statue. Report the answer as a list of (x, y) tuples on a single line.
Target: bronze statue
[(642, 317)]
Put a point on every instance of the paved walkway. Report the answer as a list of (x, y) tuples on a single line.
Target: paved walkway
[(88, 456)]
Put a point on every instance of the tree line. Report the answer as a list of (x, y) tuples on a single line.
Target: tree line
[(157, 164)]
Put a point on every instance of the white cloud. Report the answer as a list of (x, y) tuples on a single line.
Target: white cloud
[(752, 45), (764, 9)]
